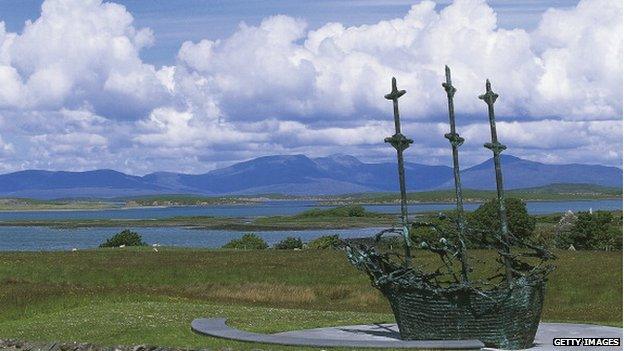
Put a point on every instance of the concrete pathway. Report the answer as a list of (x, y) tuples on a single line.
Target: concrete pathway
[(387, 336)]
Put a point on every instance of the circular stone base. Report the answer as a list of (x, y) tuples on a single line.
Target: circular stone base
[(387, 336), (216, 327), (543, 339)]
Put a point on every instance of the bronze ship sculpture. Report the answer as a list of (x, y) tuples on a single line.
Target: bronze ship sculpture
[(448, 303)]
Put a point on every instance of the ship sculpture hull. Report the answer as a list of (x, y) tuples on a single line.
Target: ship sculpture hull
[(504, 318), (502, 315)]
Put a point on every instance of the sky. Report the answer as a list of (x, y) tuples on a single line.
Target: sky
[(190, 86)]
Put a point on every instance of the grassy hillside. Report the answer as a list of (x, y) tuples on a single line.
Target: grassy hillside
[(137, 296)]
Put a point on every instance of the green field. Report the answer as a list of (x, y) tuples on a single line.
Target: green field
[(139, 296)]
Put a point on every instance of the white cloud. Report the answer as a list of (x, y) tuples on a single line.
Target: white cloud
[(79, 53), (75, 93), (278, 70), (581, 56)]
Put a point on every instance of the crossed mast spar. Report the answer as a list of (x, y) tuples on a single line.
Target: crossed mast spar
[(456, 141), (400, 143), (490, 98)]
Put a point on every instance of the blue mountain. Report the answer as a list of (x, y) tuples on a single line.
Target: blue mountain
[(299, 175), (56, 184), (383, 176), (519, 173)]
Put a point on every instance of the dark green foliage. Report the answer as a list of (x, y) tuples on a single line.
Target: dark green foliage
[(289, 243), (125, 237), (391, 244), (486, 222), (591, 231), (483, 225), (341, 211), (446, 224), (249, 241), (544, 236), (610, 239), (324, 242)]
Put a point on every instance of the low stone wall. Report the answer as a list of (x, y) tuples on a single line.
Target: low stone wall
[(19, 345)]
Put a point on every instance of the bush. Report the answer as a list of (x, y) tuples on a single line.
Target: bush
[(563, 230), (324, 242), (340, 211), (545, 235), (290, 243), (125, 237), (609, 240), (486, 221), (447, 224), (591, 231), (248, 241)]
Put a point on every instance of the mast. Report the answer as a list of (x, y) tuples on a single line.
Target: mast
[(490, 98), (400, 143), (456, 141)]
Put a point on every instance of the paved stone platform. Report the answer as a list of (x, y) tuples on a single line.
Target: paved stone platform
[(216, 327), (543, 339), (387, 336)]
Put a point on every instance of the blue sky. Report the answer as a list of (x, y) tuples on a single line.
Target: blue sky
[(142, 86)]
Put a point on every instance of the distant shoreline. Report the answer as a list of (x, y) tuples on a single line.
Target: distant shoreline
[(545, 194), (318, 202), (450, 202)]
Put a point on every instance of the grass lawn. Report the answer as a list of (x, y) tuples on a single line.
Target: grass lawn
[(138, 296)]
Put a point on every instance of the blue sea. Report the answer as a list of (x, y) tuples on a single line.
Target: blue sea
[(48, 238)]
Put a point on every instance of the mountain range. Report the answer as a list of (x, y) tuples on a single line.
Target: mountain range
[(299, 175)]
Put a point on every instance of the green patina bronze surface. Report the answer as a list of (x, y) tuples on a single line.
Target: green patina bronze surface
[(400, 143), (490, 98), (456, 142), (502, 310)]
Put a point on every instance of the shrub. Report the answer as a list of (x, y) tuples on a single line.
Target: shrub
[(340, 211), (289, 243), (609, 240), (324, 242), (545, 235), (597, 231), (446, 222), (125, 237), (486, 220), (392, 244), (563, 230), (248, 241)]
